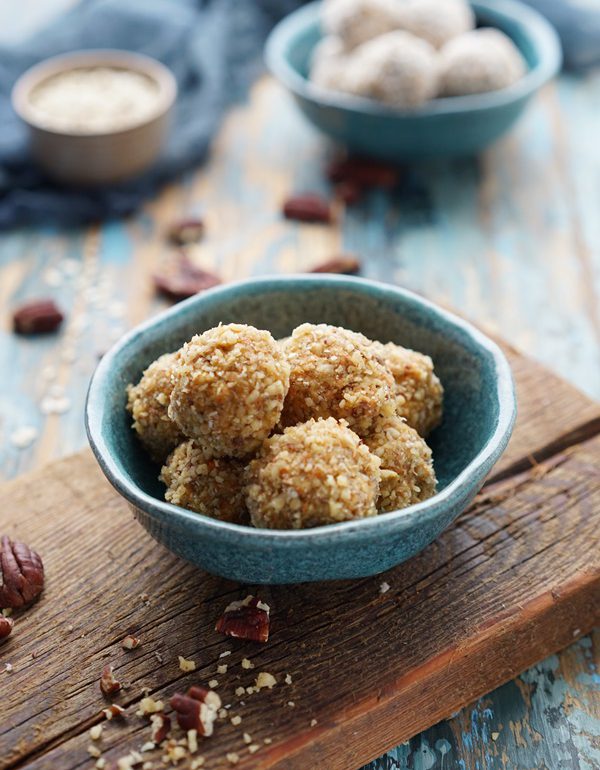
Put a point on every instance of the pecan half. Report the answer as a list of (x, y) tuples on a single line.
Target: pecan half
[(247, 619), (21, 573), (186, 231), (363, 172), (197, 710), (39, 316), (307, 208), (344, 264), (6, 627), (108, 683), (183, 279), (160, 727)]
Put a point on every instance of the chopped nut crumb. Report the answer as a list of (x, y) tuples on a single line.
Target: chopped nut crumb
[(100, 763), (253, 748), (148, 746), (158, 657), (232, 758), (247, 663), (236, 720), (130, 642), (149, 706), (192, 740), (249, 690), (186, 665), (239, 691), (264, 679), (288, 679), (196, 763), (222, 713), (95, 732), (268, 741), (222, 669), (213, 683), (94, 751), (384, 588), (225, 654), (246, 738), (291, 704), (113, 711), (495, 736), (8, 667), (313, 722)]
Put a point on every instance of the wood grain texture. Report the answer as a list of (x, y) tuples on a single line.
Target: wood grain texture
[(517, 578), (511, 240)]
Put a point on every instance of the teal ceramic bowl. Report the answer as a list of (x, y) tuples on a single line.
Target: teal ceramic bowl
[(478, 418), (459, 125)]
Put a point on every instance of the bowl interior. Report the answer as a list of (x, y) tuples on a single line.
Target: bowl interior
[(290, 49), (464, 363)]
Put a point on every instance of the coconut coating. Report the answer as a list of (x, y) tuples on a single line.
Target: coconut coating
[(397, 68), (418, 391), (148, 402), (437, 21), (407, 474), (335, 373), (312, 474), (328, 63), (228, 389), (479, 61), (356, 21), (212, 486)]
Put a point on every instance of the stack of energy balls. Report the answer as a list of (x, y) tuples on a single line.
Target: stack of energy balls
[(321, 427), (406, 52)]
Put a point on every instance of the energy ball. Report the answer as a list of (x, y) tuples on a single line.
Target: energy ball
[(479, 61), (228, 389), (407, 474), (437, 21), (312, 474), (397, 68), (335, 373), (356, 21), (418, 391), (148, 402), (328, 63), (212, 486)]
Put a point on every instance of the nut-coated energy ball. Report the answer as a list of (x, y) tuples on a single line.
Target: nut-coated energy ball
[(335, 373), (407, 474), (356, 21), (315, 473), (212, 486), (479, 61), (437, 21), (418, 391), (328, 63), (228, 389), (397, 68), (148, 402)]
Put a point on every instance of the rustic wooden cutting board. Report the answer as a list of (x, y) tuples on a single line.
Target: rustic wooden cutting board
[(516, 578)]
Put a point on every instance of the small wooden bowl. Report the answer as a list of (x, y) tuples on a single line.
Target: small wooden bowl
[(77, 158)]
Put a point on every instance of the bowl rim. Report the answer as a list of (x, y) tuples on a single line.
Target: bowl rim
[(89, 58), (375, 525), (539, 31)]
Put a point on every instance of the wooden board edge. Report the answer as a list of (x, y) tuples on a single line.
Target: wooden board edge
[(560, 618)]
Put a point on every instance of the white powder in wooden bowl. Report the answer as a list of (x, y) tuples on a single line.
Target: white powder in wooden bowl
[(94, 100)]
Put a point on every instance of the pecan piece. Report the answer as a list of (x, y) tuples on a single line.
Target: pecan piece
[(108, 683), (197, 710), (344, 264), (160, 727), (39, 316), (186, 231), (21, 573), (363, 172), (307, 208), (184, 279), (349, 192), (6, 627), (114, 711), (247, 619), (130, 642)]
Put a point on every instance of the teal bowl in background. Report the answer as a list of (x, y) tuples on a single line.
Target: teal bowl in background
[(449, 126), (479, 414)]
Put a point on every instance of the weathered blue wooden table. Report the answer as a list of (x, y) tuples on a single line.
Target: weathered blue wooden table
[(510, 240)]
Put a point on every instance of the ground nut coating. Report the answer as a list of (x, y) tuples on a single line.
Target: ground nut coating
[(397, 68), (228, 389), (315, 473), (335, 373), (148, 402), (407, 474), (417, 390), (212, 486), (479, 61)]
